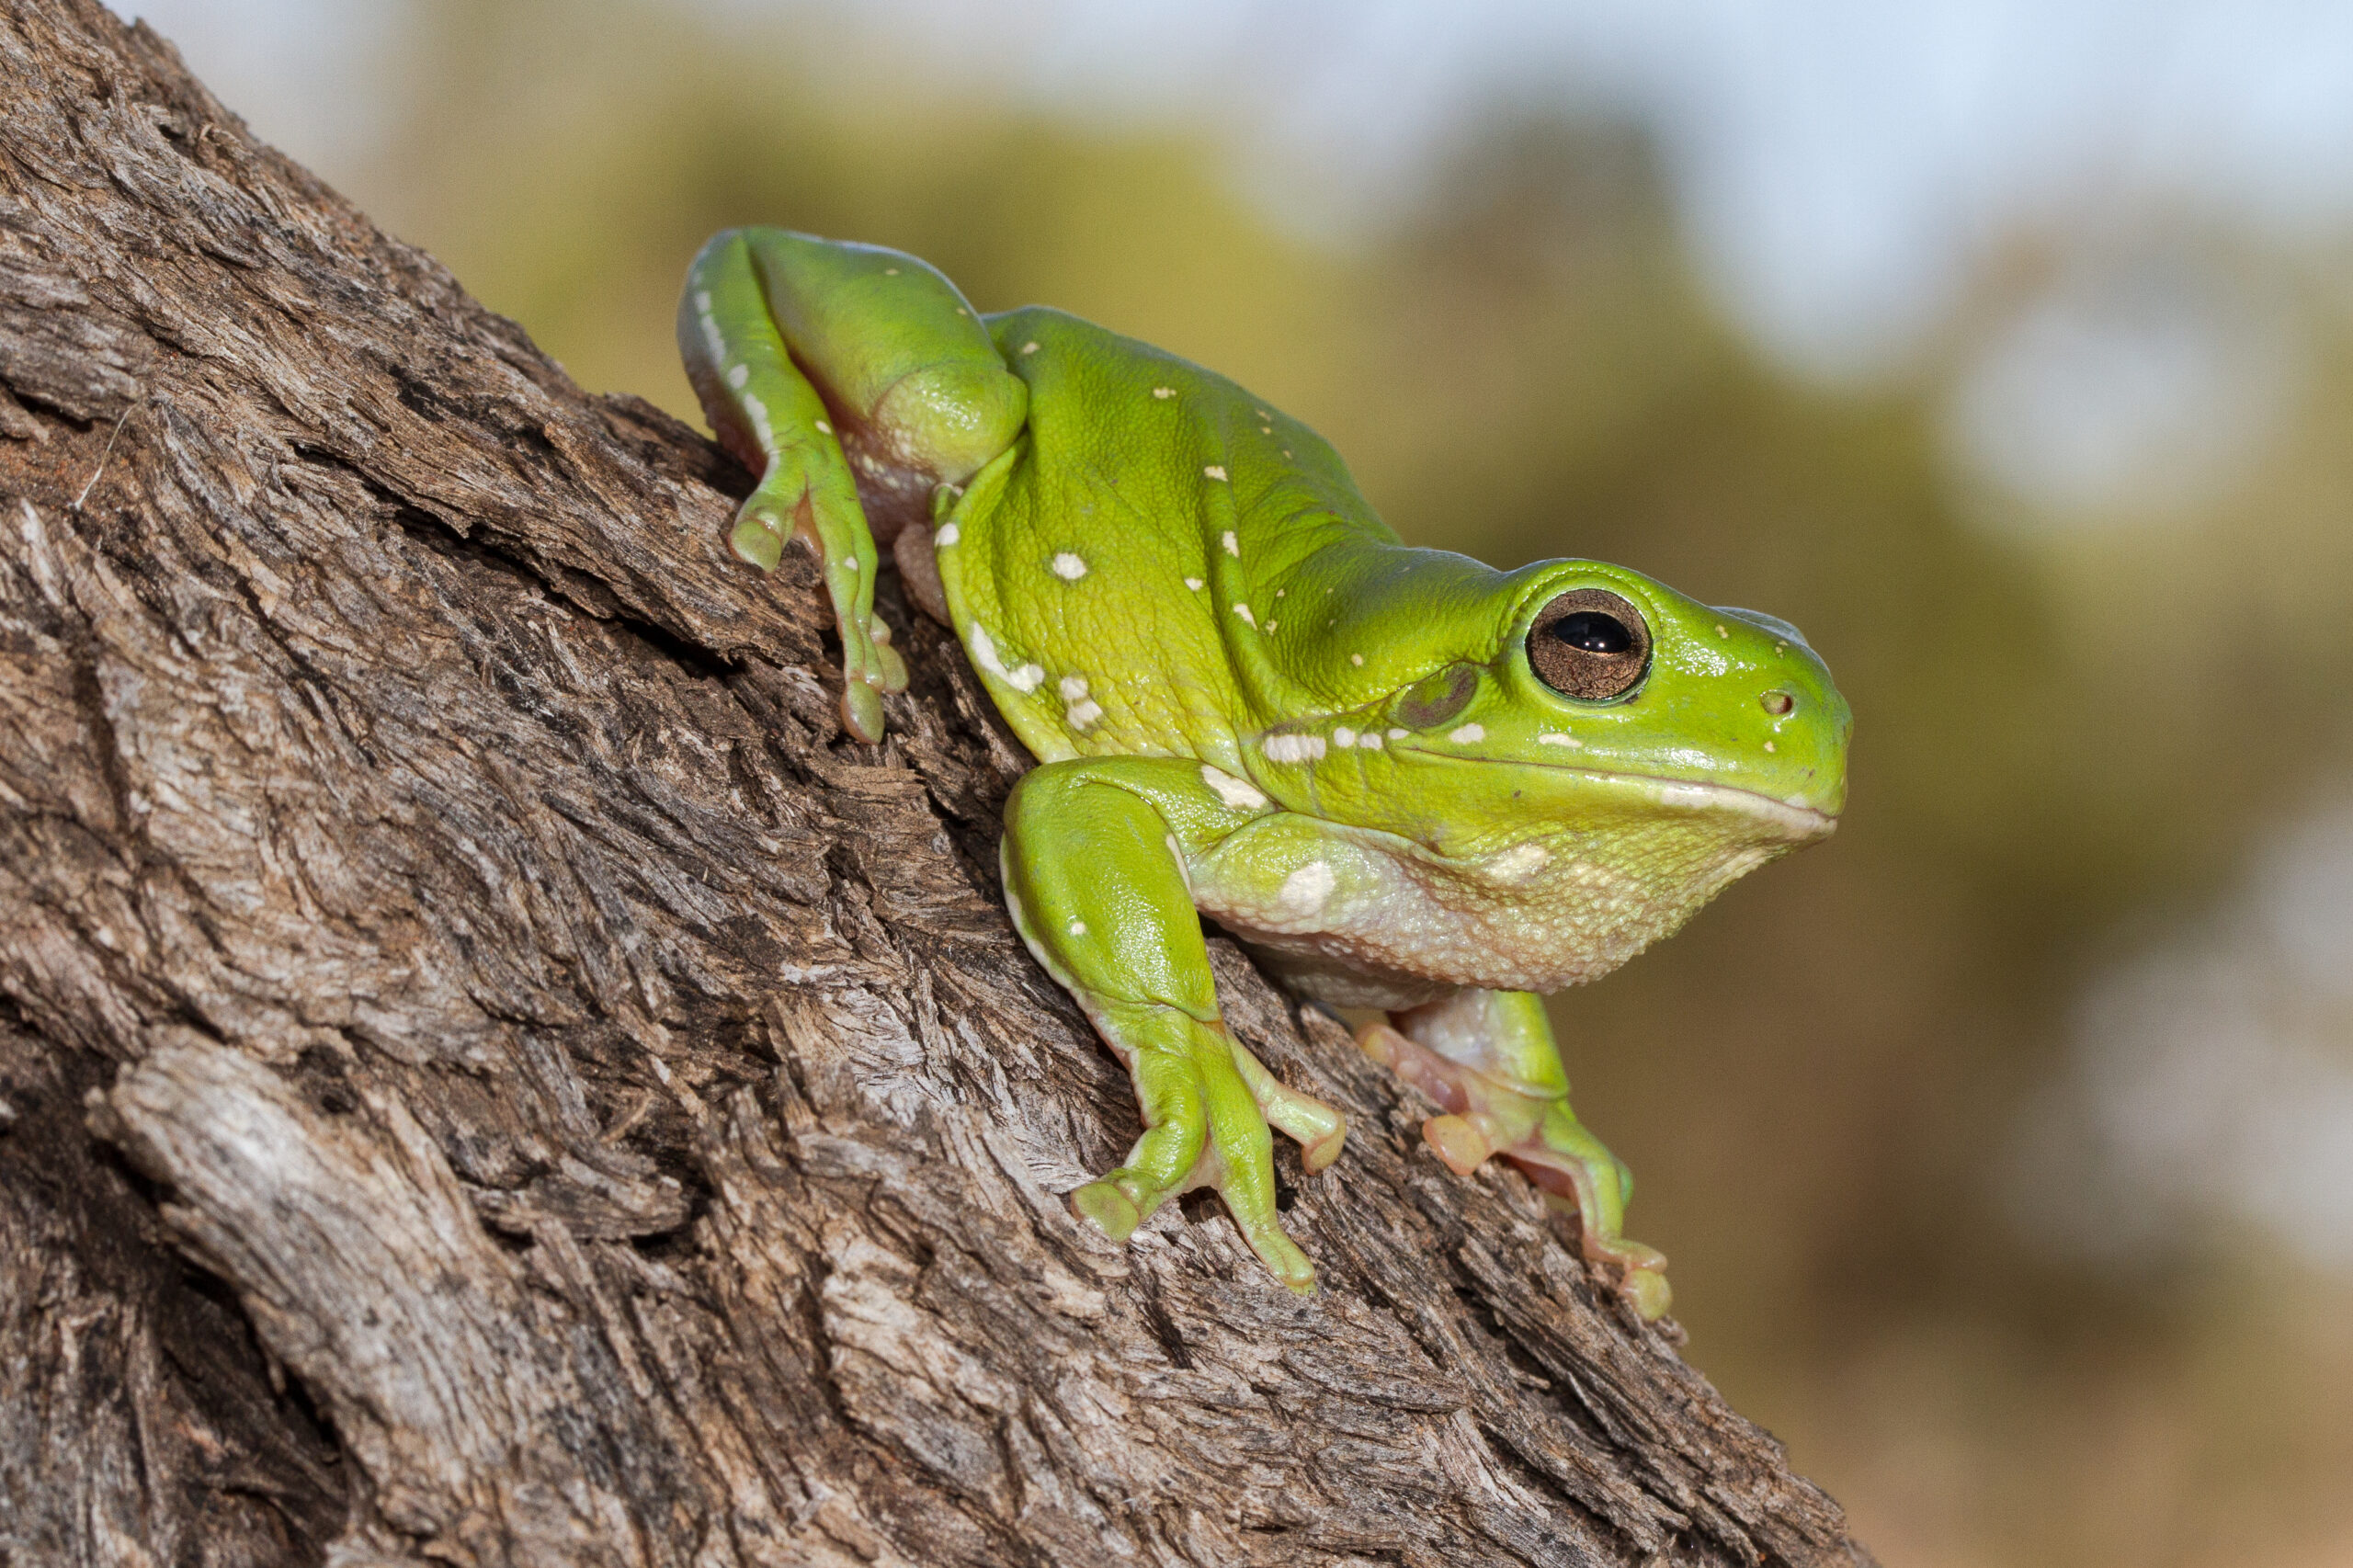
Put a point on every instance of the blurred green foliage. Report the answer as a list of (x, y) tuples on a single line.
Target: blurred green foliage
[(2066, 729)]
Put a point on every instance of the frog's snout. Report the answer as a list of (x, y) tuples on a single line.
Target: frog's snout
[(1812, 724)]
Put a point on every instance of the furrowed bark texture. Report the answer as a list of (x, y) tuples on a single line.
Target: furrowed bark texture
[(490, 1076)]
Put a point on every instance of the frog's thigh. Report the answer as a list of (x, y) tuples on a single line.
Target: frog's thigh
[(1096, 891)]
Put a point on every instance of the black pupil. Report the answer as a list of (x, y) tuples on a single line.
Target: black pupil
[(1593, 631)]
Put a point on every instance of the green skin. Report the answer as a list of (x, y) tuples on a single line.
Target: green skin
[(1248, 700)]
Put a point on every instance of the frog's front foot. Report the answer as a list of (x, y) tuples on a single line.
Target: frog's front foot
[(782, 509), (1487, 1116), (1208, 1111)]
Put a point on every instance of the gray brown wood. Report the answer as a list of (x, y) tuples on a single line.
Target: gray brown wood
[(489, 1075)]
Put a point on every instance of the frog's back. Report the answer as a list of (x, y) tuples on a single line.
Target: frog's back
[(1121, 576)]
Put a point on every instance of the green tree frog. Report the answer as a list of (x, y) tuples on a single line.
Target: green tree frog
[(1405, 780)]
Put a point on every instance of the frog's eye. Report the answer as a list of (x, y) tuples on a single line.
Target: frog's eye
[(1591, 643)]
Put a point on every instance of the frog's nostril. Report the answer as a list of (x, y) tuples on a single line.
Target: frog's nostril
[(1777, 703)]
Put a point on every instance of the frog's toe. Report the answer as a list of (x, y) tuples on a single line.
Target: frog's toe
[(1648, 1291), (1282, 1256), (1642, 1270), (757, 537), (889, 666), (1318, 1153), (863, 711), (1319, 1130), (1443, 1081), (1110, 1211), (1457, 1140)]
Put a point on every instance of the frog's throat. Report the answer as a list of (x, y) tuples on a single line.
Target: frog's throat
[(1801, 823)]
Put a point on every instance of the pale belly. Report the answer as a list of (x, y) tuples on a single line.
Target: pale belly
[(1361, 925)]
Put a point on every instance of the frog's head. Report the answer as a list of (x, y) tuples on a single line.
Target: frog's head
[(1615, 751), (1627, 683)]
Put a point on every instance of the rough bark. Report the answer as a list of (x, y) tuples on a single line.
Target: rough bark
[(490, 1074)]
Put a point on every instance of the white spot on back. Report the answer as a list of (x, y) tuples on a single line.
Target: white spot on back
[(1234, 791), (1030, 348), (1072, 688), (1068, 567), (890, 272), (1163, 392), (1356, 658), (947, 536), (1081, 714), (1214, 471), (850, 562), (1466, 734), (1078, 928), (1556, 738), (1026, 678), (825, 428), (1194, 583), (1306, 889), (1243, 612), (1232, 545)]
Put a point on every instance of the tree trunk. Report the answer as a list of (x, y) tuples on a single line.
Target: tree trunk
[(490, 1074)]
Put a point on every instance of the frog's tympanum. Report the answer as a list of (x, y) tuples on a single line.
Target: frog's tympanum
[(1403, 779)]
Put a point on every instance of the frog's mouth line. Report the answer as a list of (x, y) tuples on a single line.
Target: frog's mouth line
[(1797, 821)]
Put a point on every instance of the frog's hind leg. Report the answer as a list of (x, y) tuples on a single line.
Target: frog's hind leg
[(1097, 893), (1488, 1057)]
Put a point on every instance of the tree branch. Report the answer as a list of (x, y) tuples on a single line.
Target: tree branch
[(608, 1114)]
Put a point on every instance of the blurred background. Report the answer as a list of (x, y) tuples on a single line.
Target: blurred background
[(2004, 1144)]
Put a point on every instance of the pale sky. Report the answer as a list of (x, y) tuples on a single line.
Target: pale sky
[(1839, 162)]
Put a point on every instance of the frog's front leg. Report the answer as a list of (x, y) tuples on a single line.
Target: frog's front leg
[(1488, 1057), (807, 353), (1096, 885)]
